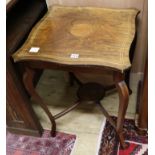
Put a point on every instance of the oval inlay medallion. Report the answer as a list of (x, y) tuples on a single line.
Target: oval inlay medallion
[(81, 29)]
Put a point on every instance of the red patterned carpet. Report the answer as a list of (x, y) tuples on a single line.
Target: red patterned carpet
[(137, 145), (62, 144)]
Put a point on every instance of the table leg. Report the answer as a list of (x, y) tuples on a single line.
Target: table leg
[(28, 82), (123, 104), (111, 121)]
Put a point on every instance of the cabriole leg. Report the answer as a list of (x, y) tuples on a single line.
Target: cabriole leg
[(123, 104), (28, 82)]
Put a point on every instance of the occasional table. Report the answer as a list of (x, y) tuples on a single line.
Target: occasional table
[(81, 39)]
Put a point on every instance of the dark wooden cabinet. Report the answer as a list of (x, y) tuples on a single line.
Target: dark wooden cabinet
[(142, 103), (143, 106), (19, 113), (22, 15)]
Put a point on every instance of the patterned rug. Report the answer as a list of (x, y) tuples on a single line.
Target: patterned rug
[(137, 145), (62, 144)]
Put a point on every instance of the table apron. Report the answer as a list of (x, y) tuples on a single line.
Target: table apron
[(67, 67)]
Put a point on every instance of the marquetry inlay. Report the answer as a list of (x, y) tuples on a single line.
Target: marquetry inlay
[(81, 30), (99, 36)]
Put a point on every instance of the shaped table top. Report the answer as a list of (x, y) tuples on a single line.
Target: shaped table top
[(82, 36)]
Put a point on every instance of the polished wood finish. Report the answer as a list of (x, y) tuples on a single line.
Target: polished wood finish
[(142, 24), (100, 36)]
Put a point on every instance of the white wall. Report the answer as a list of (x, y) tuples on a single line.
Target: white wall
[(7, 1)]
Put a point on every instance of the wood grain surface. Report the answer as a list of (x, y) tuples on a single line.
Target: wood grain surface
[(99, 36)]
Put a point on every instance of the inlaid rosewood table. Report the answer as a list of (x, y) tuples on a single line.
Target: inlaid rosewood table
[(81, 39)]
